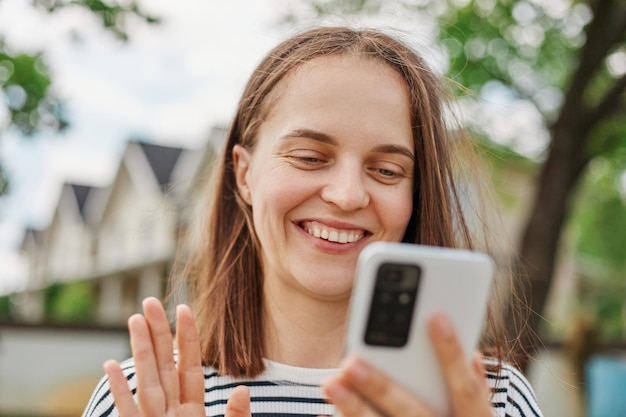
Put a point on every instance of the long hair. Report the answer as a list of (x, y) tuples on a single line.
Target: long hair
[(223, 270)]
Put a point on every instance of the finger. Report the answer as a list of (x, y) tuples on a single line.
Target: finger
[(163, 343), (478, 365), (149, 390), (381, 391), (238, 404), (466, 388), (118, 384), (347, 402), (190, 372)]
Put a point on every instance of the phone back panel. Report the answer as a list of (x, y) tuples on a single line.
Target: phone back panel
[(455, 282)]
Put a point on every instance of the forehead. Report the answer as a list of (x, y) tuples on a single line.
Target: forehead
[(354, 100), (348, 74)]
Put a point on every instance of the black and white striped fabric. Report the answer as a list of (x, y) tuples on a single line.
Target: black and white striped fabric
[(284, 390), (512, 395)]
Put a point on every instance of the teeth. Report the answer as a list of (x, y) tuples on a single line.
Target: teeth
[(337, 236)]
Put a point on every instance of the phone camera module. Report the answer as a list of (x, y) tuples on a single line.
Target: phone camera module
[(391, 310)]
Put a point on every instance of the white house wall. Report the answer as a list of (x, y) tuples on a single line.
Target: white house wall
[(69, 241), (124, 241), (137, 228)]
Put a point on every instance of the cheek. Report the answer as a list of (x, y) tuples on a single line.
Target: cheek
[(275, 196), (395, 209)]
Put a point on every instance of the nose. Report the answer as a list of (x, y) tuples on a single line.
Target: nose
[(346, 187)]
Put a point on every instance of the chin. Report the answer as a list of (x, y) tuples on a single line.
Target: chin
[(332, 280), (331, 289)]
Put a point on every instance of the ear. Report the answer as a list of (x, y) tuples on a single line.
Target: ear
[(241, 167)]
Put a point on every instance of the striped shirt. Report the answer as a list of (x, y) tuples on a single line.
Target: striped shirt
[(283, 390)]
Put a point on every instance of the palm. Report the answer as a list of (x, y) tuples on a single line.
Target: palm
[(164, 388), (186, 410)]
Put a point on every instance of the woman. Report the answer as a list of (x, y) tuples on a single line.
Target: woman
[(339, 140)]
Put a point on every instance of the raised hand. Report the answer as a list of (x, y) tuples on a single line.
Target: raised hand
[(363, 391), (163, 388)]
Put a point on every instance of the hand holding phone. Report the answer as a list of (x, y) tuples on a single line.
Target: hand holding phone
[(398, 287)]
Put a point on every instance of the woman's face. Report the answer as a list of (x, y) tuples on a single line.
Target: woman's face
[(331, 171)]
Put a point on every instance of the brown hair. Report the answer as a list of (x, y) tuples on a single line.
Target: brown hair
[(224, 270)]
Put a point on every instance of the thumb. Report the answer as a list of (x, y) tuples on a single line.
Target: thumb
[(238, 404)]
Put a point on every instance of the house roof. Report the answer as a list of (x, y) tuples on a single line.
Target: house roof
[(195, 164), (33, 235), (162, 160), (81, 192)]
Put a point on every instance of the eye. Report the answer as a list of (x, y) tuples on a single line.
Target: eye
[(387, 172), (307, 159)]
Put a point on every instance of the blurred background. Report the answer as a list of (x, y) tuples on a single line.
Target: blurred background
[(112, 114)]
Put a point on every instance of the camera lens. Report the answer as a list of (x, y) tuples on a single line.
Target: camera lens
[(404, 298), (385, 297), (393, 276), (392, 305)]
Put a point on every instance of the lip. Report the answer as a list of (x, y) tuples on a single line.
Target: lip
[(333, 247), (334, 224)]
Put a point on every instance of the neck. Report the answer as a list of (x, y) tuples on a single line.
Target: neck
[(303, 331)]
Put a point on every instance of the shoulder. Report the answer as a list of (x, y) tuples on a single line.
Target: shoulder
[(512, 394)]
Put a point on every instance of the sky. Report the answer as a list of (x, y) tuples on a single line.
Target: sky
[(170, 83)]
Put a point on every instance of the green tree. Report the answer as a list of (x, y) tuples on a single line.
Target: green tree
[(5, 308), (600, 245), (70, 303), (567, 59), (25, 80)]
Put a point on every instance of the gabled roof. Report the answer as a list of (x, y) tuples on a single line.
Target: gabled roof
[(81, 192), (194, 164), (149, 167), (31, 236), (162, 160)]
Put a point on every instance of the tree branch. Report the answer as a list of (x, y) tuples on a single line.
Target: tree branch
[(609, 104), (605, 31)]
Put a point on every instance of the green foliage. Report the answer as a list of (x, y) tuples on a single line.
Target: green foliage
[(600, 221), (112, 15), (502, 159), (5, 307), (72, 302), (609, 306), (4, 184), (25, 81), (325, 7), (601, 295), (598, 226), (50, 297), (25, 78), (516, 43)]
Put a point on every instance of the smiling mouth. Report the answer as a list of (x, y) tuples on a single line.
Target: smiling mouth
[(330, 234)]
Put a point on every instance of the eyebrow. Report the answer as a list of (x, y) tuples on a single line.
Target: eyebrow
[(311, 134), (324, 138)]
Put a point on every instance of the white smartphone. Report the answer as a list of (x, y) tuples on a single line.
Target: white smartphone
[(398, 287)]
